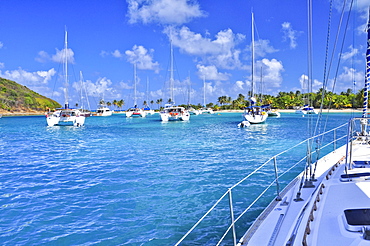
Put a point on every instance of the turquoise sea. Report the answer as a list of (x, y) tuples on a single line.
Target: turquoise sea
[(123, 181)]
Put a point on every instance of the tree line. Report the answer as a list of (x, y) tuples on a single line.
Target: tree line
[(283, 100)]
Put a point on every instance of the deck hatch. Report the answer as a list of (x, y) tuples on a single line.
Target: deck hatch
[(358, 217)]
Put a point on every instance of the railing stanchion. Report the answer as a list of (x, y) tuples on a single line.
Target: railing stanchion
[(232, 216), (335, 139), (278, 198)]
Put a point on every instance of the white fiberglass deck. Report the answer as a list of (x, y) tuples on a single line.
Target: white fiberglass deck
[(321, 219)]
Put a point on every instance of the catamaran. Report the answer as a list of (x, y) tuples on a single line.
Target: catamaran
[(135, 111), (254, 114), (306, 109), (170, 111), (66, 116), (328, 203)]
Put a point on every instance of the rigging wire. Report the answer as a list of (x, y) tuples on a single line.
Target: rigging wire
[(318, 122)]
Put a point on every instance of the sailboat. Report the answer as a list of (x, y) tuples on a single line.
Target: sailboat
[(66, 116), (254, 114), (146, 108), (135, 111), (170, 111), (84, 111), (205, 110), (306, 109), (326, 204)]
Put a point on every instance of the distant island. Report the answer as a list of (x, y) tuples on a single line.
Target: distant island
[(18, 99)]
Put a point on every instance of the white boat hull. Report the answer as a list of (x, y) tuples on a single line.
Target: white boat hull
[(175, 114), (256, 118), (65, 118), (137, 113)]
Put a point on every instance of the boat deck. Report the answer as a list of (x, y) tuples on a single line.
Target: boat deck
[(320, 209)]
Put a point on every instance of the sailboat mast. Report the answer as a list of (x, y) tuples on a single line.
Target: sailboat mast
[(135, 100), (252, 91), (171, 73), (66, 105), (204, 91), (367, 79)]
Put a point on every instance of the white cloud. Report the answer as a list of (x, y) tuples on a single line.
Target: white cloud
[(36, 81), (104, 53), (220, 52), (59, 56), (29, 78), (117, 54), (290, 34), (163, 11), (125, 86), (211, 73), (1, 45), (2, 65), (303, 80), (262, 47), (347, 78), (349, 54), (271, 72), (142, 57)]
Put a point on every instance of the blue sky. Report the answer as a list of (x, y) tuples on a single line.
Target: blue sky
[(211, 41)]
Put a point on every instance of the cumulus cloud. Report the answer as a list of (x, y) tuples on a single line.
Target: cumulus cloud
[(163, 11), (117, 54), (289, 34), (59, 56), (303, 80), (36, 81), (221, 51), (263, 47), (211, 73), (350, 54), (28, 78), (348, 78), (142, 58), (271, 72)]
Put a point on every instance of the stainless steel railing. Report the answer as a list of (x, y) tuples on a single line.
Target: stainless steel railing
[(229, 192)]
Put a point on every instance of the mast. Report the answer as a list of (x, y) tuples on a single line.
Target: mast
[(66, 105), (367, 76), (171, 73), (135, 100), (204, 91), (367, 80), (252, 92)]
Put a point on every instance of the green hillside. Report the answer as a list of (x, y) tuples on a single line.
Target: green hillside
[(16, 97)]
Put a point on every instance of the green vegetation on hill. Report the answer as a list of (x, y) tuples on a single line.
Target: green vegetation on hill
[(16, 97)]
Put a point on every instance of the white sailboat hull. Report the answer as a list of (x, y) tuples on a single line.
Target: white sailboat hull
[(65, 118), (255, 118), (319, 219), (136, 113), (175, 114)]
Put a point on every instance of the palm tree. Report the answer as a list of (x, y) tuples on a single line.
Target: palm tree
[(159, 102), (222, 100)]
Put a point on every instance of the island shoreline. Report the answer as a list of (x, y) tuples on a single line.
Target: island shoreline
[(39, 113)]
